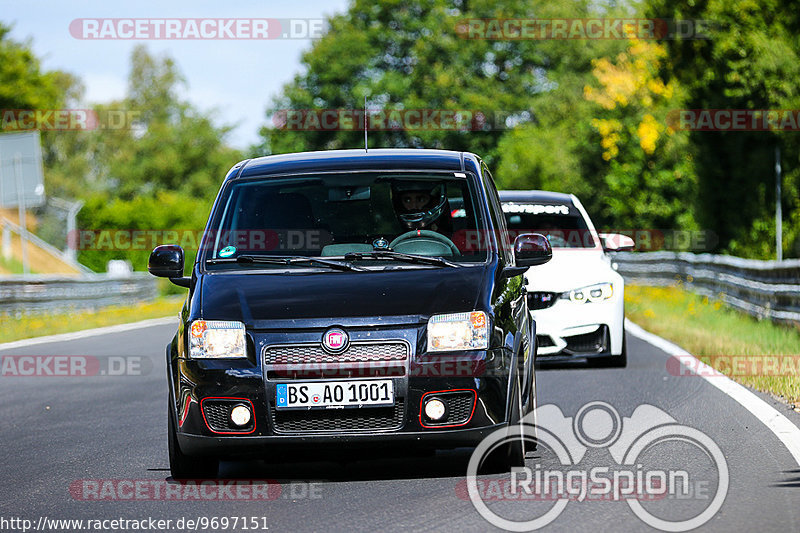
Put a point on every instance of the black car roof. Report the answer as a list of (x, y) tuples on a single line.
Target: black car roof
[(535, 196), (378, 159)]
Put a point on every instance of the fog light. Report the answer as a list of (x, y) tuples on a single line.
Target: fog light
[(435, 409), (240, 415)]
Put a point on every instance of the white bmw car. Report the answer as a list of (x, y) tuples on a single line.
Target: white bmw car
[(577, 299)]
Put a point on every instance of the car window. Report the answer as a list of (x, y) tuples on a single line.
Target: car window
[(333, 214), (561, 223), (496, 212)]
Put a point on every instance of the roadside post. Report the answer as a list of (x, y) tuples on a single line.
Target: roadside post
[(778, 209), (21, 183)]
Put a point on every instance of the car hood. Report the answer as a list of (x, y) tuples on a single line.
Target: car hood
[(250, 297), (571, 268)]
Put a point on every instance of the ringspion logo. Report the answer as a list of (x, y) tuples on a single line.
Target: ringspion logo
[(671, 476)]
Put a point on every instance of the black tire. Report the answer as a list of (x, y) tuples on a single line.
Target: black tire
[(531, 445), (516, 449), (530, 396), (511, 452), (616, 361), (531, 420), (182, 466)]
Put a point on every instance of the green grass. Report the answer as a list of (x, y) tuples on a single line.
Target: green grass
[(706, 327), (15, 328), (13, 265)]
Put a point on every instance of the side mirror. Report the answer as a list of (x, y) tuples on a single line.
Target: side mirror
[(532, 249), (166, 261), (616, 242)]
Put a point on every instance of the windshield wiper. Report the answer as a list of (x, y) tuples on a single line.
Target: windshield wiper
[(287, 261), (408, 258)]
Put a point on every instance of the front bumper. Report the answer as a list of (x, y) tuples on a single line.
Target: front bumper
[(568, 330), (197, 385), (232, 447)]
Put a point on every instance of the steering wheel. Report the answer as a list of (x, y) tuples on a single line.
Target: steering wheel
[(426, 238)]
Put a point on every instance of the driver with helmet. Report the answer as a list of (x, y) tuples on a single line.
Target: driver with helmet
[(422, 205)]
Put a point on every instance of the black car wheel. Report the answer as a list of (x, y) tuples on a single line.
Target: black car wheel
[(511, 452), (616, 361), (182, 466)]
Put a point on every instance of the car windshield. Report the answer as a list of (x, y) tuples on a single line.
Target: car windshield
[(561, 223), (347, 217)]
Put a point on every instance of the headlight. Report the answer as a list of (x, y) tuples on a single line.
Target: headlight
[(592, 293), (215, 338), (458, 331)]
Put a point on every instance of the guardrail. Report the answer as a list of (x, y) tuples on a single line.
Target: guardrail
[(51, 293), (765, 289)]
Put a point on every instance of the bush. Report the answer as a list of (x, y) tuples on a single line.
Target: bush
[(130, 229)]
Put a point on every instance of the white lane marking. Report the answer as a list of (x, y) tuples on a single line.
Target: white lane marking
[(63, 337), (782, 427)]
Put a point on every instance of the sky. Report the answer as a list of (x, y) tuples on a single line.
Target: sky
[(235, 78)]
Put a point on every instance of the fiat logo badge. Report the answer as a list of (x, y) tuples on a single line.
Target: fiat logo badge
[(335, 340)]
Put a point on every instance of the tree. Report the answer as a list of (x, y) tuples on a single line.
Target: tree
[(751, 61), (159, 171), (601, 134), (649, 176), (23, 84), (170, 145), (149, 141), (410, 55), (414, 55)]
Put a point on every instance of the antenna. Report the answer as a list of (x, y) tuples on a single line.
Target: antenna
[(366, 146)]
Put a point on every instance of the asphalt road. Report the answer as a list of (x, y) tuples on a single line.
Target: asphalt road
[(57, 431)]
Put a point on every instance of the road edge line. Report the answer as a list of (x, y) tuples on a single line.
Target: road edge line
[(783, 428), (75, 335)]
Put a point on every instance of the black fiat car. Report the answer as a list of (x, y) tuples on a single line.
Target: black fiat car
[(346, 299)]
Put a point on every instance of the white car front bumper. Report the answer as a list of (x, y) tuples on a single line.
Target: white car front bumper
[(580, 329)]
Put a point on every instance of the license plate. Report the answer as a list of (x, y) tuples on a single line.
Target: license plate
[(333, 394)]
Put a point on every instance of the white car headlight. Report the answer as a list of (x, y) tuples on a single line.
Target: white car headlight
[(210, 339), (458, 331), (592, 293)]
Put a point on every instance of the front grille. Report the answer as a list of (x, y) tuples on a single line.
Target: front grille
[(357, 352), (459, 408), (354, 419), (218, 415), (541, 300), (335, 371), (594, 342)]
